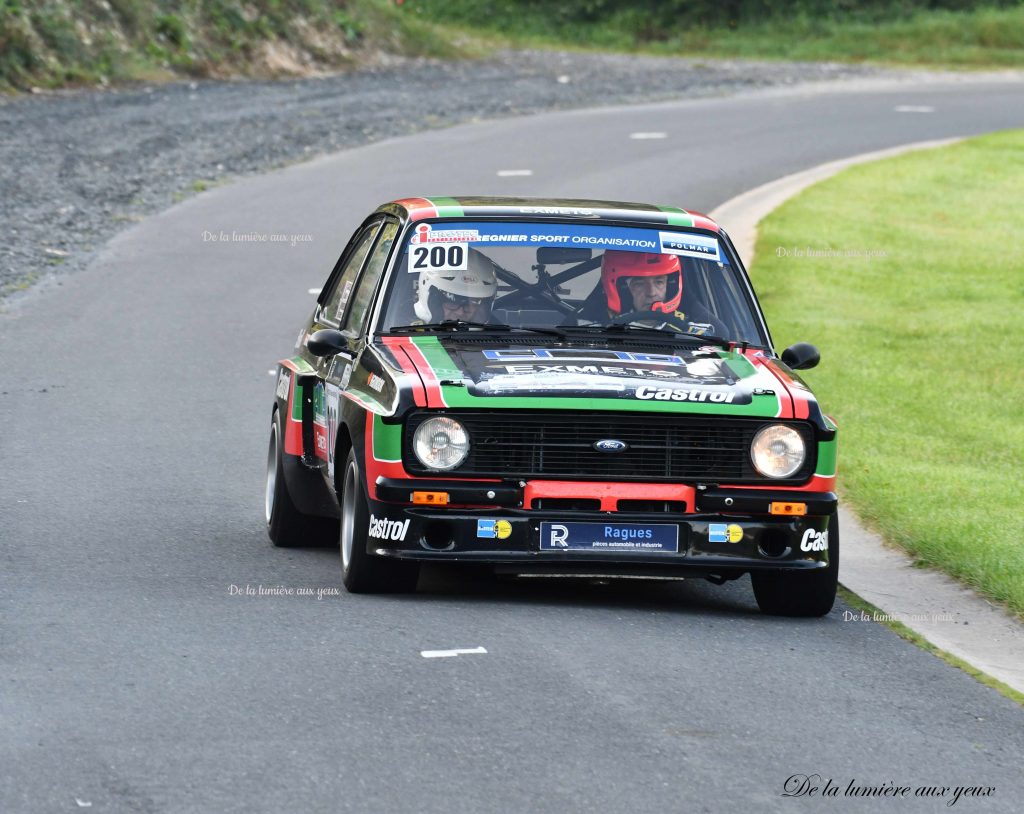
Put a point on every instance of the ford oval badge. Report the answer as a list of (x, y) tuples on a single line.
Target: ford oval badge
[(610, 445)]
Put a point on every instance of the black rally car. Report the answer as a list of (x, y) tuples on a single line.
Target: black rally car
[(570, 387)]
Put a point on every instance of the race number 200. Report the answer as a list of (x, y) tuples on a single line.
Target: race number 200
[(439, 257)]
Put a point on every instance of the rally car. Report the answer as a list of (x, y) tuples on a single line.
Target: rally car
[(552, 387)]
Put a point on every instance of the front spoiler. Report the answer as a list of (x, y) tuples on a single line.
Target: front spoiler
[(435, 534)]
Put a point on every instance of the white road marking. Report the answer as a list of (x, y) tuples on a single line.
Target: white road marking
[(272, 372), (445, 654), (314, 291), (914, 109), (83, 803), (564, 79), (647, 136), (513, 173)]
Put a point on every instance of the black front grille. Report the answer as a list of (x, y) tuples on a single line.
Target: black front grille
[(660, 447)]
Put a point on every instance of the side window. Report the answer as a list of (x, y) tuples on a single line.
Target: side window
[(727, 301), (356, 318), (334, 306)]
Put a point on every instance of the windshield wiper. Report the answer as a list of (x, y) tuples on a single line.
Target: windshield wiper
[(455, 325), (654, 333)]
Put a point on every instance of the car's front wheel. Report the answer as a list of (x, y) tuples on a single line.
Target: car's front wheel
[(799, 593), (362, 572)]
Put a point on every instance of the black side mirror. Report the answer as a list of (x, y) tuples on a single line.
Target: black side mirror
[(326, 342), (801, 356)]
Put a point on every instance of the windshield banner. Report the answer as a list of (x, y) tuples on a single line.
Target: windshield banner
[(575, 236)]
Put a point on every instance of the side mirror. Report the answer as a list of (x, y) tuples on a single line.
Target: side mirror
[(801, 356), (326, 342)]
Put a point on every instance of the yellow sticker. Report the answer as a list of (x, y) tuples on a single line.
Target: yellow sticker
[(735, 533), (502, 529)]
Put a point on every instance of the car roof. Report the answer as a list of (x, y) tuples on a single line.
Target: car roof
[(590, 211)]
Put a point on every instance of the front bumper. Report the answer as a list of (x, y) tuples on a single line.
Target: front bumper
[(756, 540)]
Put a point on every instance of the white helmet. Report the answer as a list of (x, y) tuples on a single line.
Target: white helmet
[(436, 286)]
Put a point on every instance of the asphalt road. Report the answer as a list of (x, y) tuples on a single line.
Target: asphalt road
[(135, 399)]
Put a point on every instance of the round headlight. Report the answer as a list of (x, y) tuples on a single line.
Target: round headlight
[(441, 443), (778, 451)]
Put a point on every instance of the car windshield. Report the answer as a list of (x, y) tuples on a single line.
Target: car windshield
[(582, 277)]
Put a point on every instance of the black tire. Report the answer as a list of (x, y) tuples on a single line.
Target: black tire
[(286, 525), (794, 593), (362, 572)]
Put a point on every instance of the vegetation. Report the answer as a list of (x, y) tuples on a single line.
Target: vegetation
[(58, 42), (50, 43), (946, 33), (907, 275)]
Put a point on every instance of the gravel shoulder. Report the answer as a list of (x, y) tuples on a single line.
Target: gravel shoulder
[(78, 167)]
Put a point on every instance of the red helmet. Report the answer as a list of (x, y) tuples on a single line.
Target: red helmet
[(616, 266)]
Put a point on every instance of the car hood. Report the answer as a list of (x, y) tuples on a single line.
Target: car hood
[(587, 375)]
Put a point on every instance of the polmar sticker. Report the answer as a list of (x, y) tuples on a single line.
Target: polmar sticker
[(689, 245)]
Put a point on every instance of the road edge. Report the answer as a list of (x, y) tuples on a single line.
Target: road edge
[(949, 616)]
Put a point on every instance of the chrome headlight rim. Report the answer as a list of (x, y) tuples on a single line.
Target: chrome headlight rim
[(778, 451), (441, 443)]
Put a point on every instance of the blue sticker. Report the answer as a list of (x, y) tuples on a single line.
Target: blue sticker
[(718, 533), (610, 537), (689, 245), (485, 529)]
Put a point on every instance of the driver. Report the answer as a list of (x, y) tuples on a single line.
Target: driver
[(445, 295), (640, 281), (643, 281)]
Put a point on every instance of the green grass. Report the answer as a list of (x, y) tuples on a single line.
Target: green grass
[(921, 348), (987, 38), (979, 38)]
